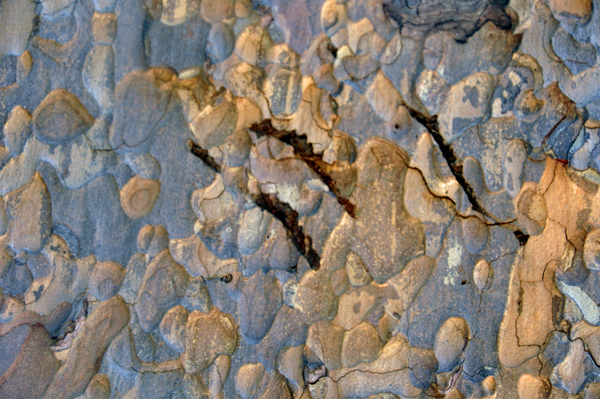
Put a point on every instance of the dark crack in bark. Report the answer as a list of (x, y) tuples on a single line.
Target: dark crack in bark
[(289, 218), (431, 124), (332, 49), (226, 278), (304, 150), (204, 156), (522, 237), (270, 203)]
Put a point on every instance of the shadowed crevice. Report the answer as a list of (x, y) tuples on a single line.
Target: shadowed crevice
[(522, 237)]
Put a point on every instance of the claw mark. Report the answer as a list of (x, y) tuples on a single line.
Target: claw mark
[(204, 156), (304, 150), (431, 124), (289, 218), (270, 203)]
